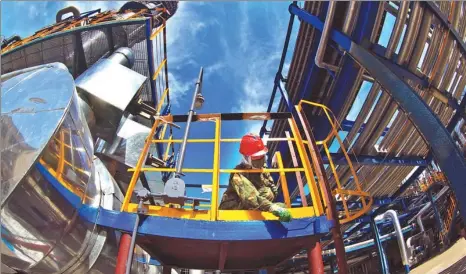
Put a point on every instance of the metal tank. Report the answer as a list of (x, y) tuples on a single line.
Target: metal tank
[(47, 155)]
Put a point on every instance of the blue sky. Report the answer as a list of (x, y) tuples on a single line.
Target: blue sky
[(239, 45)]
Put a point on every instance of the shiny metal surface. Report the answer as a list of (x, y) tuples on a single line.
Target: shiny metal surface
[(319, 60), (123, 56), (33, 102), (109, 88), (399, 233), (43, 129)]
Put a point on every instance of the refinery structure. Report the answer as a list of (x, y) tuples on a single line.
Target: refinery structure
[(86, 117)]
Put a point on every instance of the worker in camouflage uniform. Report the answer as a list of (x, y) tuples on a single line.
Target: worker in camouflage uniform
[(253, 191)]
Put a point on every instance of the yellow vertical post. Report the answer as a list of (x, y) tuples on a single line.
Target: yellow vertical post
[(165, 157), (307, 168), (216, 172), (353, 172), (137, 169), (337, 179), (284, 183)]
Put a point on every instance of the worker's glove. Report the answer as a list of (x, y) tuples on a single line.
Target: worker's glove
[(283, 214)]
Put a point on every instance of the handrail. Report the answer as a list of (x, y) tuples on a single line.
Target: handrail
[(214, 213), (340, 189)]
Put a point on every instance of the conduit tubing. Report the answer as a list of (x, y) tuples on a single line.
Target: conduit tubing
[(399, 234), (349, 248), (319, 60)]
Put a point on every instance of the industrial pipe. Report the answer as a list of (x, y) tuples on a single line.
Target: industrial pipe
[(314, 256), (60, 13), (197, 94), (8, 41), (123, 251), (351, 16), (426, 207), (397, 29), (123, 56), (412, 30), (399, 234), (319, 60)]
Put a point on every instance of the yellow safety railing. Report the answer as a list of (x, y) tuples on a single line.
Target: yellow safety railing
[(431, 178), (340, 190), (451, 208), (213, 213)]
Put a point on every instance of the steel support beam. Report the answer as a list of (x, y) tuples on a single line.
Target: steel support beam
[(434, 207), (405, 74), (347, 125), (279, 76), (339, 159), (379, 247), (446, 153)]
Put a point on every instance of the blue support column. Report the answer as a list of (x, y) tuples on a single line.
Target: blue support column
[(379, 247), (434, 207)]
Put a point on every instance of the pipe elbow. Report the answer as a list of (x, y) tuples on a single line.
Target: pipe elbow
[(60, 13)]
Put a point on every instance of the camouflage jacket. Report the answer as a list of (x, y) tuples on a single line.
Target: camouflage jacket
[(249, 191)]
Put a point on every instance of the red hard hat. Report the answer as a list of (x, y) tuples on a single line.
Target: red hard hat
[(252, 145)]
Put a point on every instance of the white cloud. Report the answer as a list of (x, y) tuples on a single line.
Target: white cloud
[(214, 69), (178, 88)]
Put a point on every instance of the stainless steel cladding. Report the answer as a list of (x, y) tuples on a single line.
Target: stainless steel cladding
[(46, 148), (109, 88)]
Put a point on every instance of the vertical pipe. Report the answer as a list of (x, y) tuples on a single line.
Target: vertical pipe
[(123, 250), (421, 40), (397, 29), (326, 192), (129, 261), (378, 245), (314, 257), (319, 60), (413, 27), (351, 15), (188, 124), (399, 235), (150, 60)]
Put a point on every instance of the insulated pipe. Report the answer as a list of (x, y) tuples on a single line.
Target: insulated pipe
[(362, 244), (123, 56), (421, 40), (399, 234), (319, 60), (397, 29), (60, 13), (413, 28), (351, 15)]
